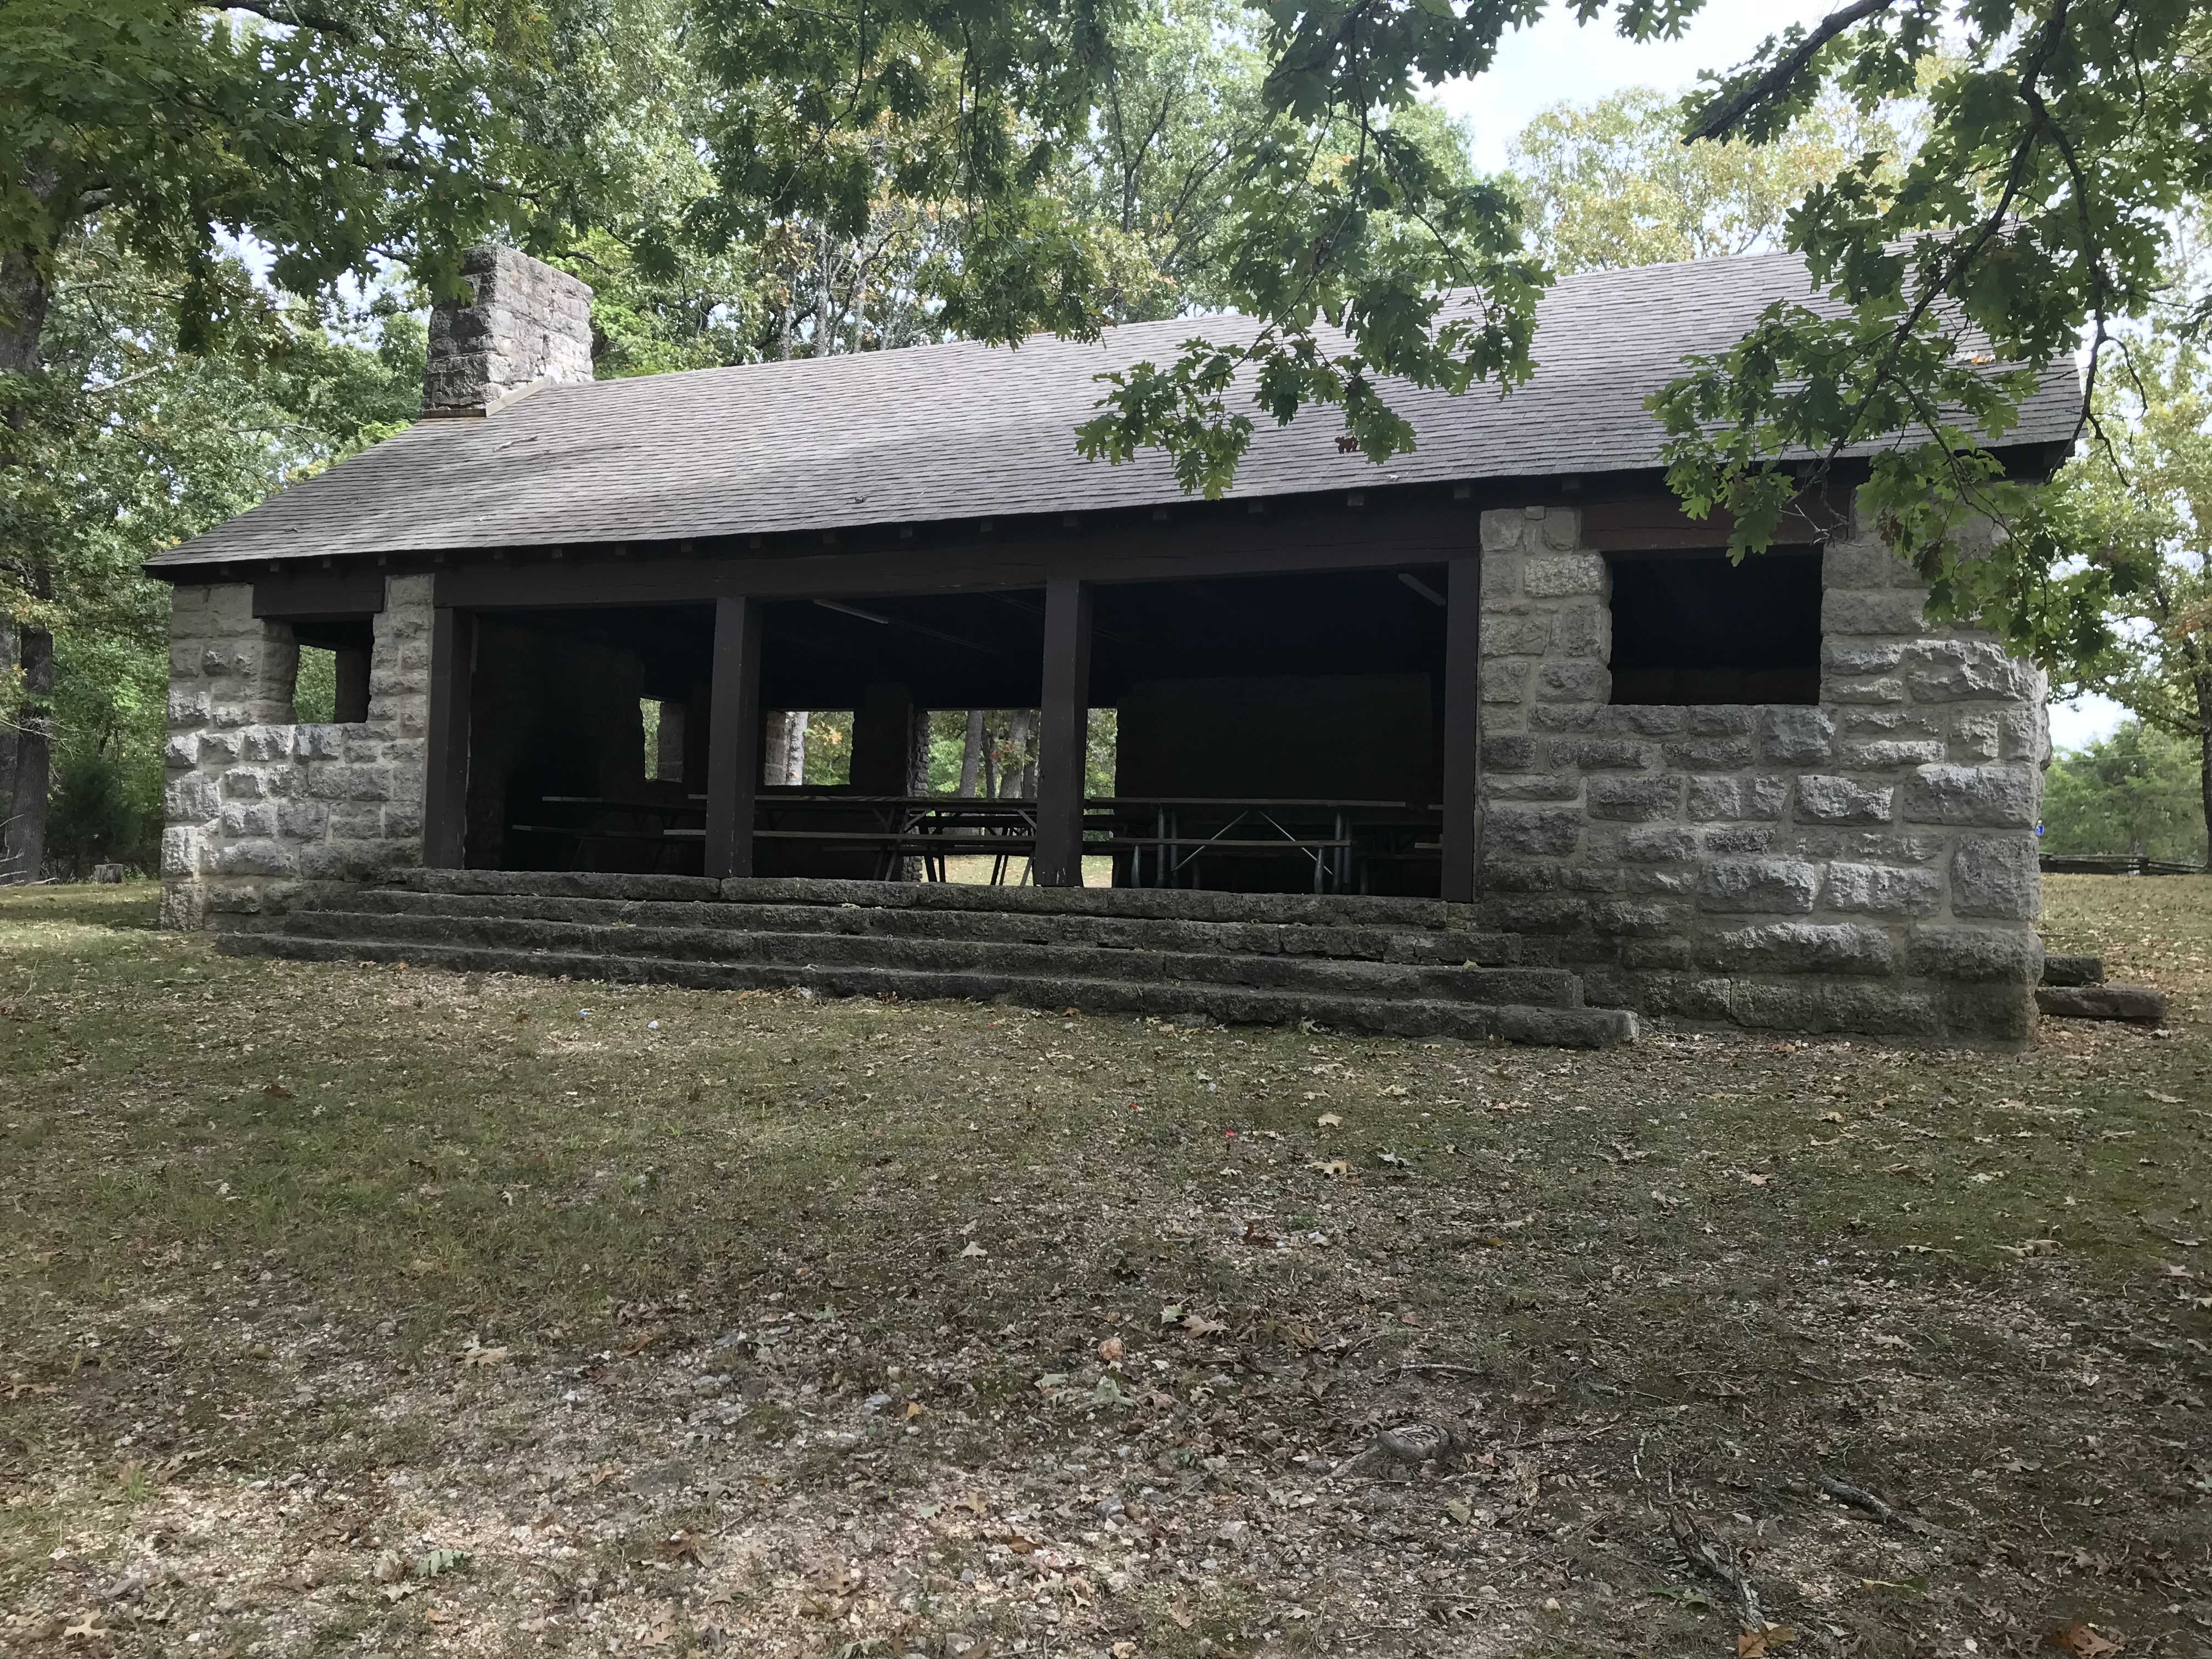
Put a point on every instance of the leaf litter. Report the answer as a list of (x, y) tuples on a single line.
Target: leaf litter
[(731, 1411)]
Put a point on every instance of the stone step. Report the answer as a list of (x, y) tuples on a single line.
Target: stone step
[(931, 953), (1473, 1022), (1165, 904), (1427, 945)]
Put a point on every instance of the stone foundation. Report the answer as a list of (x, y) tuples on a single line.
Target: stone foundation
[(1866, 864), (258, 803)]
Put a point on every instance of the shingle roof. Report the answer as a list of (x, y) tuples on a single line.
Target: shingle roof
[(968, 431)]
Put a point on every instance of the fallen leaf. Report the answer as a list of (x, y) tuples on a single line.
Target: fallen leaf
[(1757, 1178), (1758, 1644), (1198, 1325), (277, 1092), (87, 1625), (2078, 1638), (973, 1249), (1021, 1545), (1831, 1117), (1182, 1615), (915, 1408), (2163, 1099), (1329, 1121), (1336, 1168), (1111, 1351), (477, 1354)]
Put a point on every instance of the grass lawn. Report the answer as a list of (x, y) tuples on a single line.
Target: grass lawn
[(362, 1310)]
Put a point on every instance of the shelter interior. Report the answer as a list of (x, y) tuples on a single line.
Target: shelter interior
[(1271, 734)]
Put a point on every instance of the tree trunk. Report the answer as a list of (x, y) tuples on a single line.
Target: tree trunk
[(1017, 770), (25, 856), (971, 755), (2205, 758), (990, 767), (784, 753), (27, 758), (6, 732)]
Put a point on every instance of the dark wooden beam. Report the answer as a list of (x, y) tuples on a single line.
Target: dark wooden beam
[(1063, 734), (445, 765), (733, 734), (311, 595), (1419, 534), (1657, 522), (1463, 783)]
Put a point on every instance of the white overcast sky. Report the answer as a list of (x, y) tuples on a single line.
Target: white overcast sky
[(1558, 62)]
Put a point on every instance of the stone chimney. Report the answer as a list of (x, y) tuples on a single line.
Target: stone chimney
[(524, 323)]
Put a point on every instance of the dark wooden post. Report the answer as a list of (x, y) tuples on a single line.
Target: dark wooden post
[(734, 719), (1462, 803), (446, 762), (1064, 735), (351, 705)]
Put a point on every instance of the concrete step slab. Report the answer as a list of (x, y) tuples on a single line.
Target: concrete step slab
[(1369, 942), (1149, 902), (1321, 975), (1578, 1027)]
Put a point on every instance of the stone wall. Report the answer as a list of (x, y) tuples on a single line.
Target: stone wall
[(256, 802), (1866, 864)]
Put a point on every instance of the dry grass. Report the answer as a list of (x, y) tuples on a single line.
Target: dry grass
[(380, 1310)]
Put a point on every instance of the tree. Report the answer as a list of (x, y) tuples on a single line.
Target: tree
[(2141, 498), (2039, 212), (1613, 185), (2135, 791)]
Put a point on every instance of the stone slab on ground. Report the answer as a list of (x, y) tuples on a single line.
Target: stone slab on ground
[(2137, 1004), (2072, 970)]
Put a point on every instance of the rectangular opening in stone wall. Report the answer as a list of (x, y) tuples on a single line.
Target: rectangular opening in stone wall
[(331, 685), (1691, 626)]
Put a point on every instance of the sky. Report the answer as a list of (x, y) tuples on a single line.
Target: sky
[(1559, 62)]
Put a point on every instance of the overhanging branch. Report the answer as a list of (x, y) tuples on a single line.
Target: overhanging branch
[(1720, 120)]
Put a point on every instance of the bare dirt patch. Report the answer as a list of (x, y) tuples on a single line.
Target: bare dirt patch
[(378, 1309)]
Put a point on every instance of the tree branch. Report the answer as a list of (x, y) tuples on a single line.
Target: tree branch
[(1718, 121), (292, 15)]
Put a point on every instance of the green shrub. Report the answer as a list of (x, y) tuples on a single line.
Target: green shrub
[(103, 812)]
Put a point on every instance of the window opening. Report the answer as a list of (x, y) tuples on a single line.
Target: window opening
[(1693, 628)]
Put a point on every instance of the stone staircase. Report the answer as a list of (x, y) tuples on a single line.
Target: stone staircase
[(1400, 966)]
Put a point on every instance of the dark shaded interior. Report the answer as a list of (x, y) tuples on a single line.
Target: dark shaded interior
[(1311, 700), (1692, 628)]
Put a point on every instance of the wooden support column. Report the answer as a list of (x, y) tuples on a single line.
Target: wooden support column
[(351, 706), (1463, 791), (1064, 733), (445, 759), (734, 722)]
